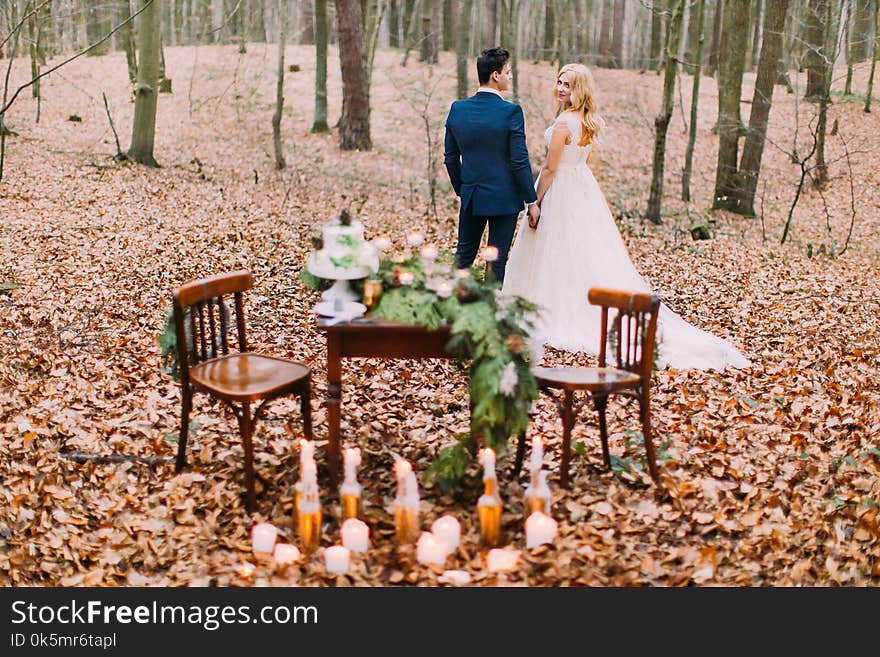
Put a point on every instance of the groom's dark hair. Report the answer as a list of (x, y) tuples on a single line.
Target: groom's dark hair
[(489, 61)]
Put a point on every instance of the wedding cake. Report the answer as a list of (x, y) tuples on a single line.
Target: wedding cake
[(344, 254)]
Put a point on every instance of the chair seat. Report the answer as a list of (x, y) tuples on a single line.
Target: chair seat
[(593, 379), (247, 376)]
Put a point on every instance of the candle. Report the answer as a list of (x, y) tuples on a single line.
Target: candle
[(308, 510), (444, 289), (415, 238), (263, 537), (501, 559), (490, 253), (537, 455), (429, 252), (430, 550), (462, 273), (540, 528), (350, 491), (398, 258), (447, 531), (306, 451), (538, 493), (406, 277), (337, 559), (355, 535), (455, 577), (401, 468), (382, 242), (486, 458), (489, 508), (285, 554), (406, 503)]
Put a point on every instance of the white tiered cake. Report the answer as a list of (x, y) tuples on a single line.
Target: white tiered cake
[(344, 256)]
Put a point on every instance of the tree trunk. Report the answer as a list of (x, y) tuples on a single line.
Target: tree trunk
[(435, 29), (814, 37), (354, 125), (492, 23), (320, 123), (874, 10), (849, 41), (657, 8), (549, 32), (617, 38), (279, 88), (126, 37), (606, 34), (862, 30), (661, 121), (712, 64), (733, 44), (393, 24), (832, 23), (695, 97), (97, 26), (447, 25), (462, 48), (756, 33), (143, 131), (412, 27), (753, 149), (509, 31)]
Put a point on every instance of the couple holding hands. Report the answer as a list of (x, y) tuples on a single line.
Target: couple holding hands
[(570, 242)]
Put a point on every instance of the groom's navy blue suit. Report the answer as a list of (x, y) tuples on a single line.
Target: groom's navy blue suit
[(489, 167)]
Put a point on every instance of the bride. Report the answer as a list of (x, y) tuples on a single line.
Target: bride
[(575, 245)]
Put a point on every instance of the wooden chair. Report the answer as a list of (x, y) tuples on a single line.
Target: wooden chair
[(633, 329), (202, 320)]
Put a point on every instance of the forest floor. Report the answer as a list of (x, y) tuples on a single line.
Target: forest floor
[(770, 473)]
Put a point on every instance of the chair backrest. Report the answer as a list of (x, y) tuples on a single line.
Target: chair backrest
[(202, 318), (633, 328)]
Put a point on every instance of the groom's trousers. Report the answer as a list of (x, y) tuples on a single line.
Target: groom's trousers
[(470, 232)]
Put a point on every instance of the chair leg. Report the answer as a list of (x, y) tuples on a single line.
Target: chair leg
[(520, 453), (567, 425), (186, 408), (645, 412), (305, 401), (601, 403), (245, 424)]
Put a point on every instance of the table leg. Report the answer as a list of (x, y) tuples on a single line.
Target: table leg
[(334, 404)]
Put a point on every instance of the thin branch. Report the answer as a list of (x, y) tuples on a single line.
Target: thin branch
[(852, 197), (86, 457)]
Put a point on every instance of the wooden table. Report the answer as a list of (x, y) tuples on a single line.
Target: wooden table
[(371, 338)]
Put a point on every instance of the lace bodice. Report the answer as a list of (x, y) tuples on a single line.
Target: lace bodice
[(572, 154)]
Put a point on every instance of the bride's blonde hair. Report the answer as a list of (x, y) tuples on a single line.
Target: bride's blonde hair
[(583, 102)]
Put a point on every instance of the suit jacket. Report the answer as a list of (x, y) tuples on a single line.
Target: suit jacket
[(486, 155)]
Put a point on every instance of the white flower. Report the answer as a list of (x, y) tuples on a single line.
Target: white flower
[(508, 381)]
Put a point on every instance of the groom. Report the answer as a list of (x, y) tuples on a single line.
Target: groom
[(488, 163)]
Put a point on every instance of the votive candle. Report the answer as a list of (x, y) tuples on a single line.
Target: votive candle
[(263, 537), (382, 242), (286, 554), (490, 253), (447, 530), (430, 550), (415, 238), (337, 559), (501, 559), (540, 528), (444, 289), (355, 535)]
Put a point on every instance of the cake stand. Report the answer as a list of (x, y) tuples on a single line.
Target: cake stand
[(339, 300)]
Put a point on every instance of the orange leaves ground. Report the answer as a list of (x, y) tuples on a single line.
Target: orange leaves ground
[(770, 475)]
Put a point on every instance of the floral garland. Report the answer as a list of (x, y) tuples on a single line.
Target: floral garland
[(489, 330)]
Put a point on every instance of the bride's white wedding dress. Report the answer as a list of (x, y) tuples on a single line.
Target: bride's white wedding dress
[(577, 246)]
